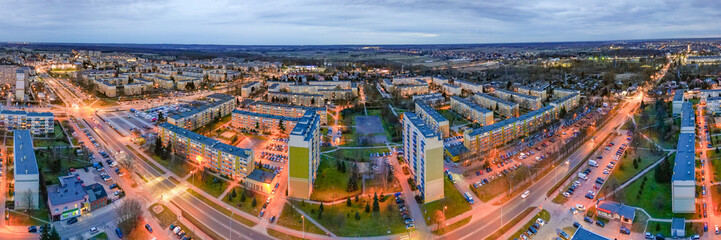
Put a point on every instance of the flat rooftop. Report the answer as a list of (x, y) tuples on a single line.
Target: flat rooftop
[(471, 105), (25, 161), (688, 116), (585, 234), (420, 124), (306, 125), (678, 95), (684, 166), (431, 112)]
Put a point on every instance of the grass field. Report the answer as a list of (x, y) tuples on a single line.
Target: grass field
[(247, 205), (46, 167), (655, 197), (179, 167), (211, 184), (453, 199), (454, 226), (280, 235), (361, 155), (330, 183), (291, 218), (452, 117), (166, 217), (340, 219), (626, 170)]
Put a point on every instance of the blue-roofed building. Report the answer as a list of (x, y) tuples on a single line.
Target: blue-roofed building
[(67, 199), (436, 121), (303, 155), (423, 151), (218, 105), (37, 122), (432, 99), (585, 234), (683, 180), (287, 110), (229, 160), (678, 227), (25, 170), (472, 111), (488, 137)]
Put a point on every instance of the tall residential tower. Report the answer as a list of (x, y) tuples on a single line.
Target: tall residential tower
[(303, 155)]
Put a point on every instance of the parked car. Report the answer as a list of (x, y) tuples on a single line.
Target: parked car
[(118, 232), (625, 231), (72, 220), (150, 229)]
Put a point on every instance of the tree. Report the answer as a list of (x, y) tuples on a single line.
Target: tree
[(663, 172), (376, 206), (320, 211), (190, 86), (54, 234), (129, 213), (254, 203), (242, 196), (161, 118), (368, 208), (440, 218), (28, 200), (357, 216), (312, 101), (45, 233), (281, 126), (348, 202), (158, 148)]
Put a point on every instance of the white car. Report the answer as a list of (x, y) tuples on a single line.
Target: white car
[(580, 207), (93, 230), (525, 194)]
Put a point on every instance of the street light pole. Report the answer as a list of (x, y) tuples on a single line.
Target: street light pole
[(303, 217)]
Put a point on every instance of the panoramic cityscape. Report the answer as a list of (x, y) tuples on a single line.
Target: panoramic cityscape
[(180, 120)]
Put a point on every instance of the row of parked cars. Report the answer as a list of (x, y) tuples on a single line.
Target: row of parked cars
[(484, 181), (533, 229), (277, 147), (178, 231), (279, 158), (407, 219)]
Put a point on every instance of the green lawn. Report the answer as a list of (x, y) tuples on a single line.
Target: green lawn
[(166, 217), (626, 170), (160, 170), (660, 227), (222, 209), (101, 236), (210, 184), (453, 199), (45, 165), (452, 117), (544, 214), (247, 205), (280, 235), (340, 219), (655, 197), (361, 155), (454, 226), (291, 218), (179, 167), (23, 219), (714, 159), (330, 183)]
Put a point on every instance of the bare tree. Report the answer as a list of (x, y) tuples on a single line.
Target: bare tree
[(28, 200), (126, 162), (129, 214)]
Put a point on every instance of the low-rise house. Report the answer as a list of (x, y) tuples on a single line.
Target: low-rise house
[(67, 199)]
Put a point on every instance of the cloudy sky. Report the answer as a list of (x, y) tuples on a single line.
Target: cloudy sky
[(304, 22)]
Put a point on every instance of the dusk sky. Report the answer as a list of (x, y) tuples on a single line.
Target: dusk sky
[(305, 22)]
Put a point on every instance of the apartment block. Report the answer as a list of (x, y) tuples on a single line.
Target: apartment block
[(303, 156), (249, 88), (683, 180), (246, 120), (287, 110), (435, 120), (301, 99), (37, 122), (7, 74), (472, 111), (219, 105), (500, 106), (231, 161), (523, 100), (568, 102), (25, 170), (21, 83), (451, 90), (133, 89), (107, 88), (469, 86), (410, 90), (432, 99), (560, 92), (678, 100), (423, 151), (488, 137), (533, 91)]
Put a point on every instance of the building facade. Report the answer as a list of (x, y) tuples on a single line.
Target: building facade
[(67, 199), (533, 91), (261, 122), (285, 110), (303, 156), (37, 122), (219, 105), (523, 100), (27, 176), (423, 152), (234, 162), (500, 106), (435, 120), (472, 111)]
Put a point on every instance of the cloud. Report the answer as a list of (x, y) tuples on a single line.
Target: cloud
[(353, 21)]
